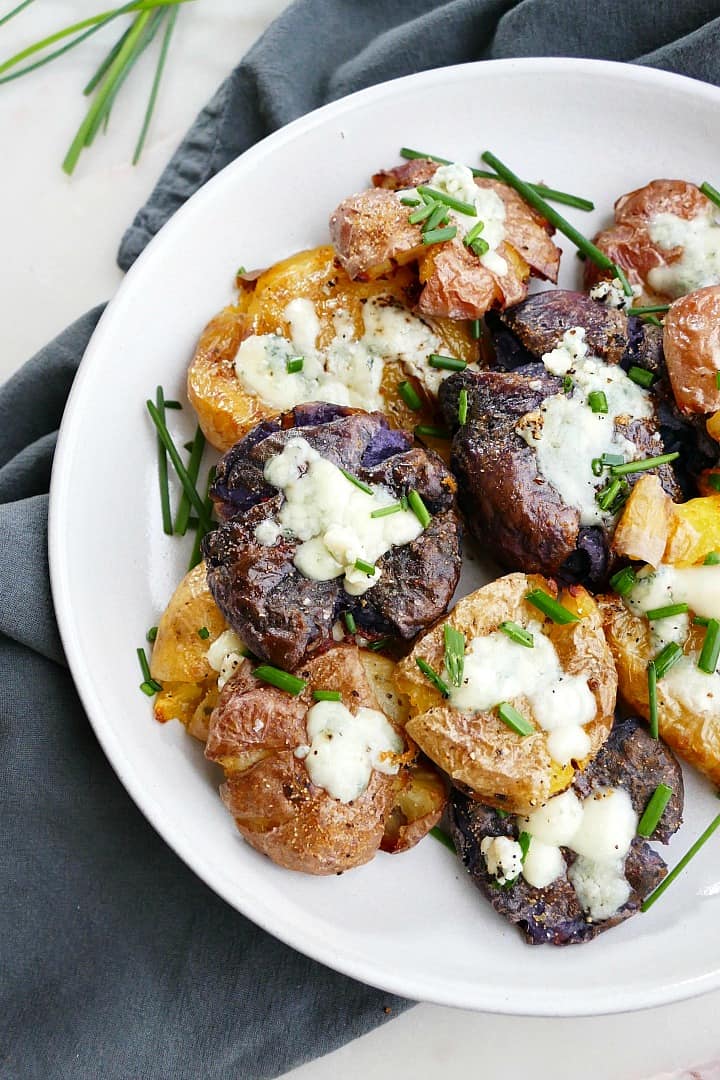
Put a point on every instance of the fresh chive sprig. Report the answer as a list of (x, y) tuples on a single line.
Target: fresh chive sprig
[(180, 469), (283, 680), (552, 608), (644, 464), (202, 529), (419, 508), (385, 511), (443, 837), (641, 376), (654, 810), (517, 633), (432, 431), (454, 654), (514, 720), (677, 870), (357, 482), (182, 517), (163, 468), (433, 677)]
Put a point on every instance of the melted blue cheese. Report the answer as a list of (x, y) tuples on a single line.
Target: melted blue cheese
[(343, 748), (348, 370), (497, 669), (699, 264), (503, 858), (458, 181), (331, 517), (696, 586), (225, 655), (600, 830), (566, 434)]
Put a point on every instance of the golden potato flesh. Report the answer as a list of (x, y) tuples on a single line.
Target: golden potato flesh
[(476, 749), (692, 733), (254, 733), (226, 409)]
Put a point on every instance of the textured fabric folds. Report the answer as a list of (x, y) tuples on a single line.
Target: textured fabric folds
[(117, 962)]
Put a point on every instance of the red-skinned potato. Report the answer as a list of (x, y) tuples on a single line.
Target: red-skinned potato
[(691, 342)]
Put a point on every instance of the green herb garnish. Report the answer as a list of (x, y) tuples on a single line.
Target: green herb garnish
[(454, 654), (646, 904), (180, 469), (433, 677), (448, 200), (462, 406), (294, 364), (327, 695), (654, 810), (350, 622), (598, 401), (642, 466), (384, 511), (446, 363), (443, 837), (365, 567), (283, 680), (514, 720), (551, 607), (182, 517), (203, 633), (710, 192), (708, 659), (419, 508), (623, 581), (439, 236), (358, 483), (712, 558), (517, 633), (666, 611), (152, 634), (432, 431), (667, 658), (410, 396)]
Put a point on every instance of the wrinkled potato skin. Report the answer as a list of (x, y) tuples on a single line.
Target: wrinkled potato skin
[(691, 342), (420, 800), (226, 410), (693, 737), (253, 733), (478, 751)]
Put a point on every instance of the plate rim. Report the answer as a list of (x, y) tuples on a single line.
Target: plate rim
[(350, 964)]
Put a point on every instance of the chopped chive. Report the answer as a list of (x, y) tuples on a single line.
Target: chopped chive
[(438, 236), (472, 234), (667, 658), (479, 247), (700, 620), (712, 558), (714, 481), (410, 396), (443, 837), (240, 271), (454, 654), (173, 405), (517, 633), (642, 466), (646, 904), (180, 469), (410, 202), (203, 633), (501, 813), (651, 309), (448, 200), (652, 319), (551, 607), (200, 529), (654, 810), (710, 192), (419, 508), (385, 511), (666, 612), (514, 720), (163, 469), (717, 380), (641, 376), (327, 695), (476, 330), (524, 840), (446, 363), (622, 278), (365, 567), (182, 517), (438, 217), (613, 496), (283, 680), (432, 431), (567, 384), (623, 581), (548, 193), (350, 622), (404, 502), (358, 483), (148, 688), (420, 215), (598, 401), (710, 652), (433, 677), (462, 406), (381, 643), (145, 668), (294, 364), (611, 459), (597, 466), (652, 699), (152, 634), (538, 203), (156, 85)]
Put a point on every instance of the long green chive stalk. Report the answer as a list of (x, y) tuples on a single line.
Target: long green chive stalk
[(200, 531), (156, 85), (182, 518), (15, 11), (188, 486), (163, 469), (646, 904)]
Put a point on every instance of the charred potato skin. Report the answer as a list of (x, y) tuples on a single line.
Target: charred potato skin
[(478, 751), (630, 759), (226, 410), (696, 738), (279, 811)]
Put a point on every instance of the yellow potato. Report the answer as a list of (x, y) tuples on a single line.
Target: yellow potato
[(694, 531), (226, 410), (642, 531), (693, 735), (477, 750)]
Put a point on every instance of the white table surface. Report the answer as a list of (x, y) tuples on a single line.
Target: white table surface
[(60, 237)]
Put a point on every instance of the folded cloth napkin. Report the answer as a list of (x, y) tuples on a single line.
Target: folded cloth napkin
[(117, 961)]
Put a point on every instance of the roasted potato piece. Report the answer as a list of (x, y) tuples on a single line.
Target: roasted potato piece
[(227, 408), (688, 700), (650, 263), (642, 530), (691, 341), (694, 531), (260, 736), (475, 748)]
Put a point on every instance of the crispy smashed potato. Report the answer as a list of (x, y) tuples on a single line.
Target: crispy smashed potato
[(642, 531), (694, 531), (254, 732), (478, 751), (179, 655), (691, 343), (227, 410), (691, 732)]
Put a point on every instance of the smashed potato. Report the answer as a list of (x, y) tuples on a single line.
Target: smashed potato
[(227, 409), (691, 343), (477, 750), (260, 736)]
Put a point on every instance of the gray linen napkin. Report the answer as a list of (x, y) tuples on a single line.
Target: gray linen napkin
[(117, 962)]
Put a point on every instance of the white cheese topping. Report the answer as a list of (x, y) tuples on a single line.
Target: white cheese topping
[(343, 748), (498, 669), (503, 858), (699, 264), (696, 586), (600, 830), (566, 434), (348, 370), (458, 181), (331, 517), (693, 688), (225, 655), (613, 295)]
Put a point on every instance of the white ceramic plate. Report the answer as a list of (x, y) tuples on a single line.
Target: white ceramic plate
[(411, 923)]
